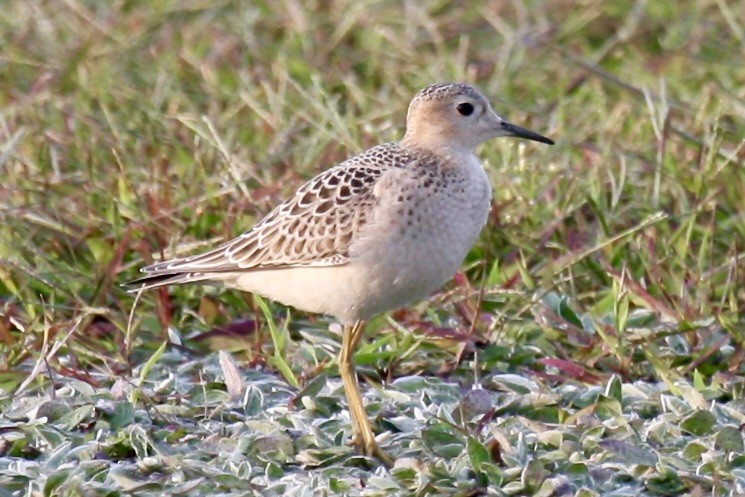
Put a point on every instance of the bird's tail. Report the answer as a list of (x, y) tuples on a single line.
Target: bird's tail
[(158, 280)]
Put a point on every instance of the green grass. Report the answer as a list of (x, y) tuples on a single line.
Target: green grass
[(600, 314)]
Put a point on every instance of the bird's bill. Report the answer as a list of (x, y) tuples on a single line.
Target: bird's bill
[(509, 129)]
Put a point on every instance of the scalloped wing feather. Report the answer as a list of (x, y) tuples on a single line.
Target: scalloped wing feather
[(315, 227)]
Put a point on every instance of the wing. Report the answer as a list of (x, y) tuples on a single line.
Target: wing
[(315, 227)]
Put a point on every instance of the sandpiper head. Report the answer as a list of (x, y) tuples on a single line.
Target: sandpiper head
[(457, 116)]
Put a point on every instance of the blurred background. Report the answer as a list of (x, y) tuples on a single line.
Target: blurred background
[(131, 131)]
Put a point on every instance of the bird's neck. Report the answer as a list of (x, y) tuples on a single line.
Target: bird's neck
[(439, 148)]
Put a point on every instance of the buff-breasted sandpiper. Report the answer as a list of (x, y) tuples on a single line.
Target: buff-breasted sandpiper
[(382, 229)]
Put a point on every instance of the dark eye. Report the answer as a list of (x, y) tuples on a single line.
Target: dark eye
[(465, 109)]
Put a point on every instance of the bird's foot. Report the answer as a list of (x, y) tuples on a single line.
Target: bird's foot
[(369, 447)]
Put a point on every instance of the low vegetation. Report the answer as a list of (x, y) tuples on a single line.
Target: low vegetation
[(592, 345)]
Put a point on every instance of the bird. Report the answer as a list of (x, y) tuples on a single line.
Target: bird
[(376, 232)]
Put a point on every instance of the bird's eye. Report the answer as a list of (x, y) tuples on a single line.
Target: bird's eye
[(465, 109)]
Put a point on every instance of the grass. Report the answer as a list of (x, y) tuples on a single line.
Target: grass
[(592, 345)]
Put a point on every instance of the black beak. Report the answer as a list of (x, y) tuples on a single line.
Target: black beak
[(518, 132)]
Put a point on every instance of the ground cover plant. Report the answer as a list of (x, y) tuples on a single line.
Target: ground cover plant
[(592, 344)]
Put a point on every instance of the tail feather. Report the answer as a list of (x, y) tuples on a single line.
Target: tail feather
[(163, 279)]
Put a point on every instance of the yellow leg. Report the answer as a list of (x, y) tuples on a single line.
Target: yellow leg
[(363, 435)]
